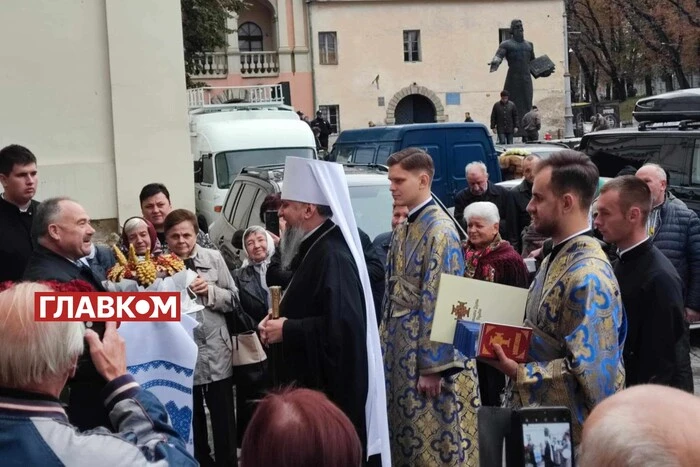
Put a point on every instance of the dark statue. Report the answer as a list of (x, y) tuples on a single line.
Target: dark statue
[(520, 55)]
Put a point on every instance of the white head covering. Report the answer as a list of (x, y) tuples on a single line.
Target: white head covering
[(270, 244), (324, 183)]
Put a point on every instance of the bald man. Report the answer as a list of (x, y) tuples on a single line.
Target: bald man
[(645, 425), (675, 230)]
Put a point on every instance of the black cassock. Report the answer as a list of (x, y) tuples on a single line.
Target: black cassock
[(324, 343)]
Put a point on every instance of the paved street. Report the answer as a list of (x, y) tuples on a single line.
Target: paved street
[(695, 358)]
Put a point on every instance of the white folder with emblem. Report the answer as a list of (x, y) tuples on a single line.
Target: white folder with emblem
[(475, 300)]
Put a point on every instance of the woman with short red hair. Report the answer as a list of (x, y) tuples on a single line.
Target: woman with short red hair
[(300, 428)]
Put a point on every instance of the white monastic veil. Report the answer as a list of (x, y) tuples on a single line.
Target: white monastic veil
[(319, 182)]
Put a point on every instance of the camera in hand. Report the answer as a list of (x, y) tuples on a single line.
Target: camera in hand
[(272, 222), (545, 436)]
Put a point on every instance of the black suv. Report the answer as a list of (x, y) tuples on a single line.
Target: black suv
[(674, 146)]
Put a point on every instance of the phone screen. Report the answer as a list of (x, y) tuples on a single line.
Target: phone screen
[(546, 440), (272, 222)]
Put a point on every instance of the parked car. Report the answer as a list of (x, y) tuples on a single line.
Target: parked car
[(369, 194), (510, 184), (451, 145), (678, 105), (543, 150), (677, 151)]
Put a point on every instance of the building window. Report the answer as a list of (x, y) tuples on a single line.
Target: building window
[(328, 48), (250, 37), (332, 113), (503, 35), (411, 46)]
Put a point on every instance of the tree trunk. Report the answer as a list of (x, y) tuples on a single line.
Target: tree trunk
[(589, 80), (680, 76), (619, 90), (647, 85), (668, 81)]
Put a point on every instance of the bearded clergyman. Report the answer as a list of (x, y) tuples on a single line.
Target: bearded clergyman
[(328, 329)]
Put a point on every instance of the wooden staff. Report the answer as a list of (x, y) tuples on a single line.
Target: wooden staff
[(275, 349)]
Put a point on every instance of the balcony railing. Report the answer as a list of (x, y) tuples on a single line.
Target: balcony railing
[(217, 95), (257, 64), (210, 65), (252, 64)]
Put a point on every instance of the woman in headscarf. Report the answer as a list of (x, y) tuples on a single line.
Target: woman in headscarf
[(139, 232), (490, 258), (258, 248)]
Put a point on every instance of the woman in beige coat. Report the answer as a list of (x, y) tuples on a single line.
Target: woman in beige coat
[(213, 374)]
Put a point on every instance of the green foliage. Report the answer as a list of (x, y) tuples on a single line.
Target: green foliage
[(204, 26)]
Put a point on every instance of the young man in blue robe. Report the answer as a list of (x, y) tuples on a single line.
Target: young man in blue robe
[(432, 392), (574, 306)]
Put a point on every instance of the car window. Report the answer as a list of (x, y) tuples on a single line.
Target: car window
[(255, 212), (372, 206), (696, 163), (613, 152), (385, 150), (207, 170), (364, 155), (344, 154), (673, 156), (242, 211), (231, 201), (229, 164)]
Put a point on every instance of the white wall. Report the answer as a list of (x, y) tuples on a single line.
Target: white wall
[(458, 39), (103, 112), (151, 132)]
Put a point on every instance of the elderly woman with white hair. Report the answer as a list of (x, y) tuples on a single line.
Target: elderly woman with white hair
[(258, 248), (490, 258), (139, 232)]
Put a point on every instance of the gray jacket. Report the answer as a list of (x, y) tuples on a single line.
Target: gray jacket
[(212, 336)]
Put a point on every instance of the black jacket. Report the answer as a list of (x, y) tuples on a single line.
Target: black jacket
[(15, 239), (522, 194), (324, 126), (503, 200), (85, 408), (250, 292), (45, 265), (652, 293), (504, 117)]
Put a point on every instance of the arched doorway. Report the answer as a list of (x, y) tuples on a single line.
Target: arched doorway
[(414, 108)]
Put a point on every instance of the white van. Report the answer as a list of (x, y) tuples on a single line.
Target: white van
[(225, 137)]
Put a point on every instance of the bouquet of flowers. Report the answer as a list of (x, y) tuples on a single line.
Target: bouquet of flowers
[(144, 271), (162, 273)]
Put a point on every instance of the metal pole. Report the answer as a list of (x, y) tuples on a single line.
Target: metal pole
[(568, 113)]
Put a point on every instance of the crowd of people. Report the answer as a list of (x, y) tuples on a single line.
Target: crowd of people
[(353, 334)]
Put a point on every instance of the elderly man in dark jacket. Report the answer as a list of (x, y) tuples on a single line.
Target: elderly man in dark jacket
[(63, 235), (675, 230), (479, 188)]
